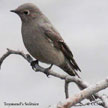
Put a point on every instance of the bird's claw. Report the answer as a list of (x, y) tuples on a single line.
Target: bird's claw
[(46, 71), (33, 63)]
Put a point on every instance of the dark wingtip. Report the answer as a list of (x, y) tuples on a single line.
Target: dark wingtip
[(77, 75), (79, 69)]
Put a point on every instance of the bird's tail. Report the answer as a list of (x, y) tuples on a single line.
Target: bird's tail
[(67, 67)]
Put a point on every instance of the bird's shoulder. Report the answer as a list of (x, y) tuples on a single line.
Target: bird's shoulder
[(54, 35), (50, 32)]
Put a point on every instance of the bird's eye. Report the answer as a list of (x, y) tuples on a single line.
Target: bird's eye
[(26, 12)]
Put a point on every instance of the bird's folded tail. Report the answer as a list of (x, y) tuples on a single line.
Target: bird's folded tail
[(67, 67)]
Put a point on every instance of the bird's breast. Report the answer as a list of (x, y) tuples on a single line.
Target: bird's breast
[(40, 47)]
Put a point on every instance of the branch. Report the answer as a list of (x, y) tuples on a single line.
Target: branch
[(105, 100), (68, 79), (9, 52), (84, 94), (66, 88)]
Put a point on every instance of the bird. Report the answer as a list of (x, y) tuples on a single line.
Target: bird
[(43, 41)]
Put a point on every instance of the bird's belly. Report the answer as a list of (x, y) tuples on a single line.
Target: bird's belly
[(43, 50)]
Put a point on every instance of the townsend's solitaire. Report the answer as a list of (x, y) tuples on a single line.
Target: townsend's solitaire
[(43, 41)]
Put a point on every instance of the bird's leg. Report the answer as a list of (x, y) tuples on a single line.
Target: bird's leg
[(33, 63), (47, 69)]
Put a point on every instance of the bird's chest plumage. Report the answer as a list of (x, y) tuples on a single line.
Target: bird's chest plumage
[(40, 47)]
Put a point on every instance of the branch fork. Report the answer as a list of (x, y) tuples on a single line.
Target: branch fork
[(87, 91)]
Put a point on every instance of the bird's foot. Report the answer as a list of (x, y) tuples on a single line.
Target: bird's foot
[(46, 71), (33, 63)]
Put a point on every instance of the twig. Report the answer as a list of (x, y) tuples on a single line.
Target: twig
[(105, 100), (66, 88), (9, 52), (84, 94), (79, 82)]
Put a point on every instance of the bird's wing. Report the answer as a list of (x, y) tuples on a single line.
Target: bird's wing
[(59, 43)]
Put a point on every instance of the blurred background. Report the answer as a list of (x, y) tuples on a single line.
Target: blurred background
[(83, 25)]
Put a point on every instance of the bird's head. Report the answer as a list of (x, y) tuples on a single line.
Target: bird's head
[(27, 12)]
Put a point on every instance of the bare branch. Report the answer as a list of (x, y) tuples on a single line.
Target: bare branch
[(66, 88), (9, 52), (105, 100), (79, 82), (84, 94)]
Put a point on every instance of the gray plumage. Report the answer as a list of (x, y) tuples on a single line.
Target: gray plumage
[(43, 41)]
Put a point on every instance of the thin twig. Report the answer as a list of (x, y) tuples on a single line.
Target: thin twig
[(66, 88)]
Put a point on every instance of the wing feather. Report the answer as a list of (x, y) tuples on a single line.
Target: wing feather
[(59, 43)]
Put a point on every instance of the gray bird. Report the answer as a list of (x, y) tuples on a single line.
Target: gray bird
[(43, 41)]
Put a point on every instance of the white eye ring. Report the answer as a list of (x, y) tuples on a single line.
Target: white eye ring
[(26, 12)]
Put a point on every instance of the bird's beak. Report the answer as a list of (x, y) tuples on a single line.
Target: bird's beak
[(15, 11)]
